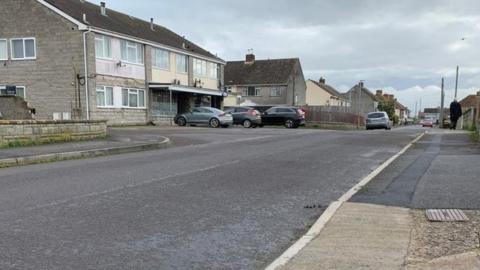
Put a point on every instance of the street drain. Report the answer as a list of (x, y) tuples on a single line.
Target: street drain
[(446, 215)]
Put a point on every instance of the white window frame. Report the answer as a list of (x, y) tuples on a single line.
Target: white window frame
[(138, 46), (134, 91), (212, 70), (6, 48), (103, 38), (277, 91), (154, 60), (24, 53), (200, 67), (104, 90), (3, 87), (177, 57)]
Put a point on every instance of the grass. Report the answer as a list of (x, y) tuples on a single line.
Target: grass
[(61, 138), (475, 136)]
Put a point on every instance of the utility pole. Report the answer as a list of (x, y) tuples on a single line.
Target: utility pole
[(456, 84), (416, 111), (358, 103), (442, 101)]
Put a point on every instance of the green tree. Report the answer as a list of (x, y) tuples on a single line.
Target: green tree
[(388, 107)]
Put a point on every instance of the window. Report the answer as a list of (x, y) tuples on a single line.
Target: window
[(23, 48), (284, 110), (104, 96), (161, 59), (20, 90), (103, 47), (213, 70), (199, 67), (3, 49), (131, 52), (133, 98), (253, 91), (275, 92), (182, 63)]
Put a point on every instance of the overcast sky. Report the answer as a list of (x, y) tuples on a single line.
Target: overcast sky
[(404, 47)]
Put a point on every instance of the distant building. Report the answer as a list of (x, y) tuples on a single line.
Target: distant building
[(264, 82), (321, 94), (361, 100), (434, 113)]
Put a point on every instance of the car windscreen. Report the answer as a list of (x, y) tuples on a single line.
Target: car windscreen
[(376, 115)]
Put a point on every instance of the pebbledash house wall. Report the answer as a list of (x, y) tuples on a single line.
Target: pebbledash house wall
[(49, 79)]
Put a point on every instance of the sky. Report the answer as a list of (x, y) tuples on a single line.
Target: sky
[(404, 47)]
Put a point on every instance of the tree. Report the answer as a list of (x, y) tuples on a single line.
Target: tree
[(388, 107)]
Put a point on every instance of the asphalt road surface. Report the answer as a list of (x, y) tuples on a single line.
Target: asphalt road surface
[(224, 199), (440, 171)]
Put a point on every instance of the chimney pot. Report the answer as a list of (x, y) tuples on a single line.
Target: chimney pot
[(103, 9), (151, 24), (321, 80), (250, 58), (379, 92)]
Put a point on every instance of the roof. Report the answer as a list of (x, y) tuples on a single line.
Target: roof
[(127, 25), (364, 90), (332, 91), (469, 101), (260, 72)]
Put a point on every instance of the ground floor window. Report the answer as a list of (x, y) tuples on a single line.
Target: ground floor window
[(275, 92), (161, 105), (133, 98), (251, 91), (104, 96), (20, 90)]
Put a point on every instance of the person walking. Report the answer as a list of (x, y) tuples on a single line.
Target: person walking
[(455, 113)]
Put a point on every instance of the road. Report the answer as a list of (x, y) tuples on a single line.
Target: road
[(223, 199)]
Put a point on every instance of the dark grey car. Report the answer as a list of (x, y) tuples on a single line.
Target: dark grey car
[(248, 117)]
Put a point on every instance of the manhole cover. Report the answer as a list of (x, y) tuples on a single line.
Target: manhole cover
[(446, 215)]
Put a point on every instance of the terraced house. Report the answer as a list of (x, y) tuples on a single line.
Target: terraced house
[(75, 59)]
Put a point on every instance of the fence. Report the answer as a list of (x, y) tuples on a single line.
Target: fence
[(332, 114)]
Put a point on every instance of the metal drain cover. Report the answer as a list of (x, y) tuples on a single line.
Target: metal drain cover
[(448, 215)]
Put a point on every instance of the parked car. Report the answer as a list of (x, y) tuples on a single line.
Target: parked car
[(205, 115), (248, 117), (378, 120), (427, 122), (290, 117)]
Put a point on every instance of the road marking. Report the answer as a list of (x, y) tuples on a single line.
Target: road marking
[(317, 227)]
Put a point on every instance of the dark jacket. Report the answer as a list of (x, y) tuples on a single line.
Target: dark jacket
[(455, 110)]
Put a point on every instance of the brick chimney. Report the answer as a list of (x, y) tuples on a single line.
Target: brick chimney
[(103, 8), (379, 93), (250, 58), (321, 80)]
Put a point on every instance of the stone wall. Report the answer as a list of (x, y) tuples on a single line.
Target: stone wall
[(14, 108), (38, 131)]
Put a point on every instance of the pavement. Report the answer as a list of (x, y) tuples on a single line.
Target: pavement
[(383, 226), (221, 199)]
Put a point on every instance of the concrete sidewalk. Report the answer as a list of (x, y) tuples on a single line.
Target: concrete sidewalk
[(115, 143)]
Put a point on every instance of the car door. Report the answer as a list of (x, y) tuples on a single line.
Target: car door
[(204, 115), (195, 115), (269, 117), (239, 115)]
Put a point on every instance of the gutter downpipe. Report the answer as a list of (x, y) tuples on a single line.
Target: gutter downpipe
[(87, 103)]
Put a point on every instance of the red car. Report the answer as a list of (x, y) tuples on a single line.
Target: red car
[(427, 123)]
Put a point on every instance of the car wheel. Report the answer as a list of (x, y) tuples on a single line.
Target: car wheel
[(214, 123), (181, 121), (289, 123), (247, 123)]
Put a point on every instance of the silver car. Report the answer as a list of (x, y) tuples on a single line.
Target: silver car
[(205, 115), (378, 120)]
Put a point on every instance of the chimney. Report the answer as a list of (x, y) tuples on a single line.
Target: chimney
[(250, 58), (85, 18), (386, 96), (103, 9), (379, 92), (151, 24), (321, 80), (361, 84)]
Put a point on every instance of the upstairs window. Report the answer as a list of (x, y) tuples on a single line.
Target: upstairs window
[(213, 70), (132, 52), (200, 67), (182, 63), (3, 49), (253, 91), (103, 47), (23, 48), (161, 59)]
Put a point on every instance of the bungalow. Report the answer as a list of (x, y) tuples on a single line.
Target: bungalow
[(74, 59), (269, 82), (321, 94)]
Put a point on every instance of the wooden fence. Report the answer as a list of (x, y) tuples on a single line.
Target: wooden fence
[(332, 114)]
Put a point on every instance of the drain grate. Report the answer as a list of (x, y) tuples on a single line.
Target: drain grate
[(446, 215)]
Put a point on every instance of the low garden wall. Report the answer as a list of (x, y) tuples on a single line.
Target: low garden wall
[(28, 132)]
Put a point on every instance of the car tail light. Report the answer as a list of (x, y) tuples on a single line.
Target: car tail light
[(222, 114), (253, 112), (301, 113)]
